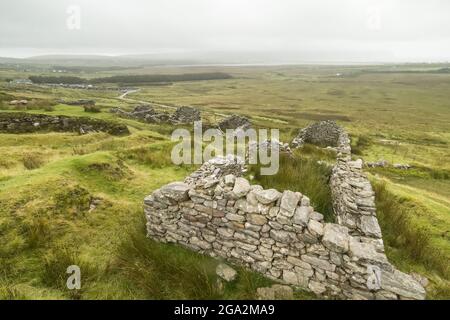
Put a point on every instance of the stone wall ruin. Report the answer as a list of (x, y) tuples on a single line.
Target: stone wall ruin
[(147, 113), (19, 122), (352, 194), (217, 212), (323, 133), (235, 122)]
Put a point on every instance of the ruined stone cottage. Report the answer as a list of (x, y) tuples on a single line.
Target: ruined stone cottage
[(217, 212)]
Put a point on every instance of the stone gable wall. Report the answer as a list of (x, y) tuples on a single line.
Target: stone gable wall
[(217, 212), (323, 133)]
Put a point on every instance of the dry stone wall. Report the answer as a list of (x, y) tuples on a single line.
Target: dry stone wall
[(354, 199), (269, 145), (352, 193), (217, 212), (18, 122)]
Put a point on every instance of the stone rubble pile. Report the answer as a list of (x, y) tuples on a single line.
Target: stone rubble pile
[(185, 114), (217, 212), (385, 164), (402, 166), (18, 102), (235, 122), (146, 113), (376, 164), (216, 168), (268, 145)]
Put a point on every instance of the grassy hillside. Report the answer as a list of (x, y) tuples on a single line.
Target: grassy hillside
[(82, 204), (65, 197)]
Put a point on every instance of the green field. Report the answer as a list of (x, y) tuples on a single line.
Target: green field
[(48, 180)]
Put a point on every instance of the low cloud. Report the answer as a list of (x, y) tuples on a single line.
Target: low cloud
[(352, 30)]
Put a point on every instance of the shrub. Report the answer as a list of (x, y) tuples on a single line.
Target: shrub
[(49, 108), (32, 161), (92, 109), (36, 232)]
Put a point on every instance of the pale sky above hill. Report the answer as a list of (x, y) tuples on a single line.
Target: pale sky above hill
[(280, 30)]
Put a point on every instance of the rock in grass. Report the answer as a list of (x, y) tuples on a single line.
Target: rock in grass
[(226, 272), (276, 292), (402, 284)]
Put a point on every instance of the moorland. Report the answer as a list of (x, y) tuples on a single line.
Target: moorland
[(67, 198)]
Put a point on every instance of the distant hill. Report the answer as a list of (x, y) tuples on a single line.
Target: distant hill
[(105, 60), (195, 59)]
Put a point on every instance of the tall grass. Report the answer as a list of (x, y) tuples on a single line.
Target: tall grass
[(73, 200), (362, 142), (36, 232), (10, 292), (155, 156), (32, 161), (54, 271), (302, 174), (400, 232), (416, 171), (313, 151), (166, 271)]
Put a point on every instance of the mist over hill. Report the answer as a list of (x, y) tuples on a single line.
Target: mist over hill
[(193, 58)]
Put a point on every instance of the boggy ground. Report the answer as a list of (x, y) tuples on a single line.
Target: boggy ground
[(70, 199)]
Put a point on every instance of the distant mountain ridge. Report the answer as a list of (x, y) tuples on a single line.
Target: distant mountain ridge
[(98, 60), (189, 59)]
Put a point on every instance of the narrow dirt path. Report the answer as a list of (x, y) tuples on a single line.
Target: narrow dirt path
[(124, 98)]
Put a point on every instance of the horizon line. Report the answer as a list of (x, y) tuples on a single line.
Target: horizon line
[(225, 63)]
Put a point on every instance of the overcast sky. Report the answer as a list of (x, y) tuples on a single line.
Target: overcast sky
[(320, 30)]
